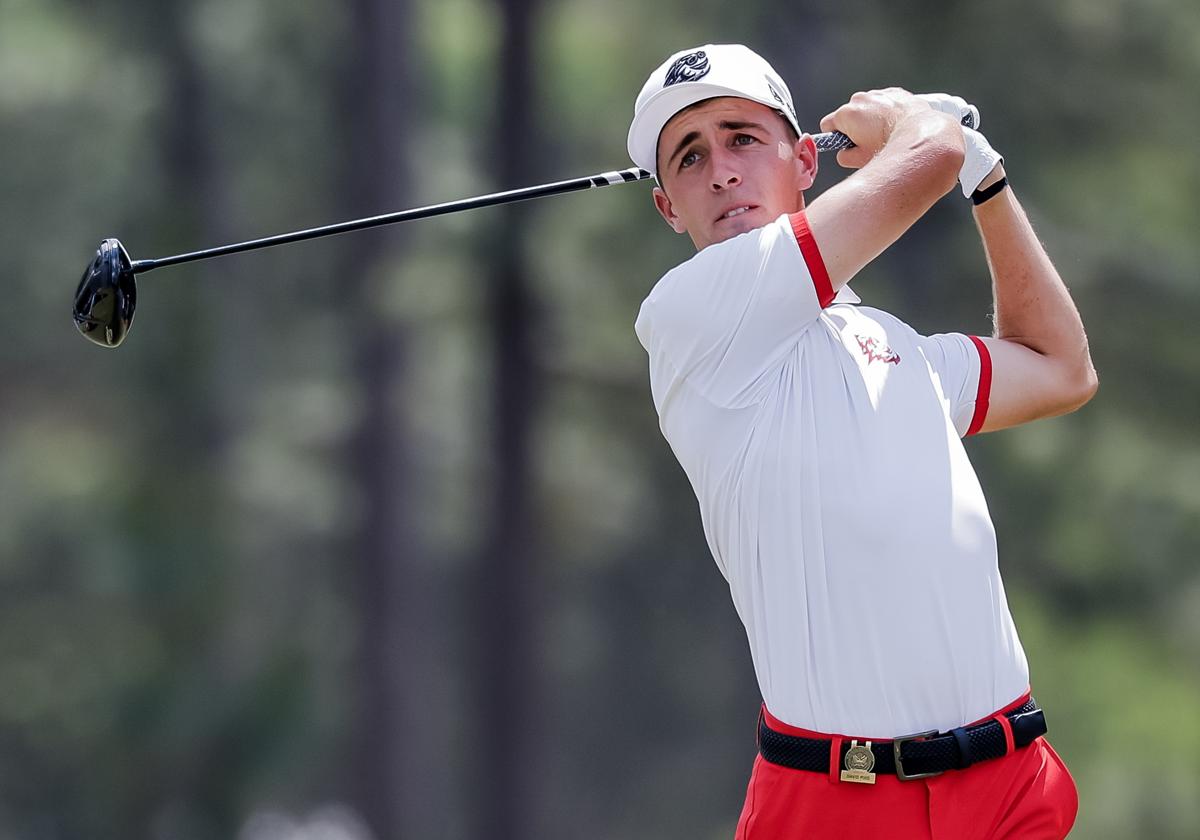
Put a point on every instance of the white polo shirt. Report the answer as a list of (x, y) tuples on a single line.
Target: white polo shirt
[(822, 440)]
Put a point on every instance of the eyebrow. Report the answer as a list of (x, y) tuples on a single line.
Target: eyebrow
[(724, 125)]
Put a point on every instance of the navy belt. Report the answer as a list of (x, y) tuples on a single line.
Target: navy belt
[(911, 757)]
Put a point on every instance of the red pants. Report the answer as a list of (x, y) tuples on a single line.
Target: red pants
[(1026, 795)]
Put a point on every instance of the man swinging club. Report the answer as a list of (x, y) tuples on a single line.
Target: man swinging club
[(822, 439)]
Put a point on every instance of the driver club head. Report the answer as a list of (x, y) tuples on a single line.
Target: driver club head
[(106, 297)]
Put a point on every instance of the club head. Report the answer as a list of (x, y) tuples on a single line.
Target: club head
[(106, 297)]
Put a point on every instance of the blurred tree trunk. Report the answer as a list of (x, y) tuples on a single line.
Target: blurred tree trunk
[(391, 743), (507, 611), (192, 541), (196, 215)]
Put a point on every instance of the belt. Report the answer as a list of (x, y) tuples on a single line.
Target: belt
[(912, 757)]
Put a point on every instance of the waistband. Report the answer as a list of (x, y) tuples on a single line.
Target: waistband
[(915, 756)]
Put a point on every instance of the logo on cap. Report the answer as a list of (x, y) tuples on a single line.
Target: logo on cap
[(689, 68), (779, 97)]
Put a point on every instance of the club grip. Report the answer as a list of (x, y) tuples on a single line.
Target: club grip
[(835, 141), (832, 141)]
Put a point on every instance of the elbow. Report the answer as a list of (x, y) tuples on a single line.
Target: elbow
[(1080, 389), (1090, 385)]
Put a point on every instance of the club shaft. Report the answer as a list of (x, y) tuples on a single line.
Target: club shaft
[(829, 141)]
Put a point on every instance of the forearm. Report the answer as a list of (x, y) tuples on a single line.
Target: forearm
[(1032, 305)]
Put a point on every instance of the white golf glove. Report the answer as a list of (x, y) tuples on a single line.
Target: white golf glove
[(980, 158), (955, 106)]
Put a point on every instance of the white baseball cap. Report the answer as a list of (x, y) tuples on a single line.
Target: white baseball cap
[(690, 76)]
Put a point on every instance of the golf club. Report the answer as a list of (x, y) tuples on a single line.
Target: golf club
[(107, 294)]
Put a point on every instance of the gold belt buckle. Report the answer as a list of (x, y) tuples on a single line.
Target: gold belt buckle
[(859, 763), (897, 743)]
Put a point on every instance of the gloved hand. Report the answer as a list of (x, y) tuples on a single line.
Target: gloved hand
[(980, 158), (955, 106)]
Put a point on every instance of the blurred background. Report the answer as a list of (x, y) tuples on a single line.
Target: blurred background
[(377, 537)]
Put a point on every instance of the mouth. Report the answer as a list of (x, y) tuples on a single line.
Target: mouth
[(735, 211)]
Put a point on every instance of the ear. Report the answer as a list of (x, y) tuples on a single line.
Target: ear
[(663, 205), (806, 161)]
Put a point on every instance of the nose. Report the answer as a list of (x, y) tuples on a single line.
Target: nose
[(725, 172)]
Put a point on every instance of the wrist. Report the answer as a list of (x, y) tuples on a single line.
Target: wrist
[(992, 177), (979, 162), (985, 194)]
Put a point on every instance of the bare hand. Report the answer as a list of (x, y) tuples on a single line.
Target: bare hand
[(869, 119)]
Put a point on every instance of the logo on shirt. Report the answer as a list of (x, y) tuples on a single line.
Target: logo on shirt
[(877, 351), (689, 68)]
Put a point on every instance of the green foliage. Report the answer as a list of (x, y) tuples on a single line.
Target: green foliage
[(179, 628)]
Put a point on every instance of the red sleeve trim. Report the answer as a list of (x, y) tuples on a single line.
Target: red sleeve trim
[(812, 258), (985, 385)]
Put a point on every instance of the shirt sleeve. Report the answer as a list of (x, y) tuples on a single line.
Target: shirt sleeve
[(964, 368), (727, 317)]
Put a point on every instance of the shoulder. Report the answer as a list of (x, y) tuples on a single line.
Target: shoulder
[(722, 255), (748, 283)]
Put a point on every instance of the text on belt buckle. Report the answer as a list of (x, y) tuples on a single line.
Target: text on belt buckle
[(859, 763), (897, 743)]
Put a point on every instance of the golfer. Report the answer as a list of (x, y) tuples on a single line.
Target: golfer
[(823, 441)]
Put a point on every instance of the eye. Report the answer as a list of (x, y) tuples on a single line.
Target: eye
[(687, 160), (739, 138)]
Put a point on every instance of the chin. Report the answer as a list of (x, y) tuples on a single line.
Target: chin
[(737, 226)]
